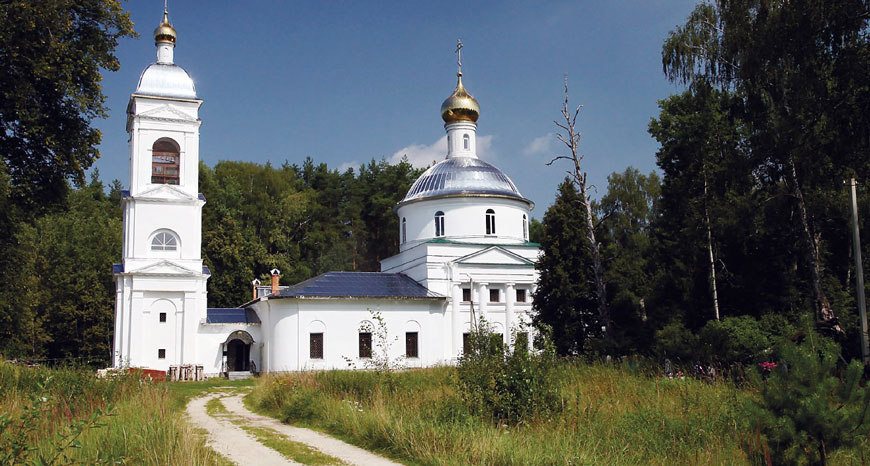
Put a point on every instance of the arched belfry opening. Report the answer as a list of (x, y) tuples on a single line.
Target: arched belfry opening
[(237, 352)]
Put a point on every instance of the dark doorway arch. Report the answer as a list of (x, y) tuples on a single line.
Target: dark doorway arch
[(238, 351)]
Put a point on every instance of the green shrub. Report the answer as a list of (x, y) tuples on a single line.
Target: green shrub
[(512, 386), (733, 340), (806, 411), (676, 341)]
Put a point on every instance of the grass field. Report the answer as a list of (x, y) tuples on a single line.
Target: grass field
[(608, 416), (82, 418)]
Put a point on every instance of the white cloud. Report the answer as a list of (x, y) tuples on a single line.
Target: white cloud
[(422, 155), (352, 164), (540, 145)]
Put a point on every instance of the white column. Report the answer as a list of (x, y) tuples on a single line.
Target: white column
[(189, 325), (456, 328), (119, 322), (482, 299), (509, 298), (135, 353)]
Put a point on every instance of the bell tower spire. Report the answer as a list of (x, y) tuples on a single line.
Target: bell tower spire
[(164, 38)]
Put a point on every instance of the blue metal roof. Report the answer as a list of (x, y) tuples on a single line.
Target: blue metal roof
[(358, 285), (232, 315)]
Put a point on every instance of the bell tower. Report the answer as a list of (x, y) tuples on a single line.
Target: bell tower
[(161, 283)]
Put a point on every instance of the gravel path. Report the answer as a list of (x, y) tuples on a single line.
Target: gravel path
[(230, 441), (241, 448), (331, 446)]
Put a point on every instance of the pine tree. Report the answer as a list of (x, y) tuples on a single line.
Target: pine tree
[(806, 410), (565, 299)]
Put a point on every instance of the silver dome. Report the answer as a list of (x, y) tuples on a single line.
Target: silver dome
[(166, 80), (462, 176)]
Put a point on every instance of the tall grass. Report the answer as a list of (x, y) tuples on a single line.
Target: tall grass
[(608, 416), (132, 421)]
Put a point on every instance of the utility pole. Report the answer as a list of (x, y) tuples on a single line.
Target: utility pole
[(859, 275)]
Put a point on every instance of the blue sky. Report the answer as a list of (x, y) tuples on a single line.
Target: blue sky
[(345, 82)]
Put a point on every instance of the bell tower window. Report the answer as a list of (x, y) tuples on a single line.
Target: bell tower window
[(164, 241), (490, 222), (165, 158), (439, 223)]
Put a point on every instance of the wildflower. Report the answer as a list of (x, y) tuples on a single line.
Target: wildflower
[(767, 366)]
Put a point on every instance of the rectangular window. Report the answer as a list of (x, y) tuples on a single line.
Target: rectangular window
[(465, 342), (411, 350), (466, 294), (521, 296), (493, 296), (316, 351), (162, 317), (365, 344), (496, 342), (161, 353)]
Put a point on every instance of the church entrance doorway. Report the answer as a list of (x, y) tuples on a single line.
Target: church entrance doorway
[(238, 351), (238, 356)]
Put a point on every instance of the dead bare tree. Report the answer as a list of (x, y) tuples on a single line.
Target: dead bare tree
[(571, 138)]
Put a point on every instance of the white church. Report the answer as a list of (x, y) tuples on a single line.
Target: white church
[(464, 255)]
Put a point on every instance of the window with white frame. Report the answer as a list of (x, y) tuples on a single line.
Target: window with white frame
[(490, 222), (164, 241), (439, 223)]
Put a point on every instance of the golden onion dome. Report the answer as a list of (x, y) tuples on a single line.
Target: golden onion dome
[(165, 32), (460, 106)]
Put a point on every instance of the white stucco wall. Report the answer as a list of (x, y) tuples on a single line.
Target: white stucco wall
[(292, 320), (211, 337), (151, 119), (464, 220)]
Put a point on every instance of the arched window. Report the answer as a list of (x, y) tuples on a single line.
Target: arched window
[(439, 223), (404, 230), (490, 222), (164, 241), (525, 228), (165, 157), (465, 141)]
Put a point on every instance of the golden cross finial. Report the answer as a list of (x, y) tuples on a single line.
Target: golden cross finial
[(459, 54), (164, 5)]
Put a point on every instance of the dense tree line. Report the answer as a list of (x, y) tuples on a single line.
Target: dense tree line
[(748, 231), (305, 220)]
